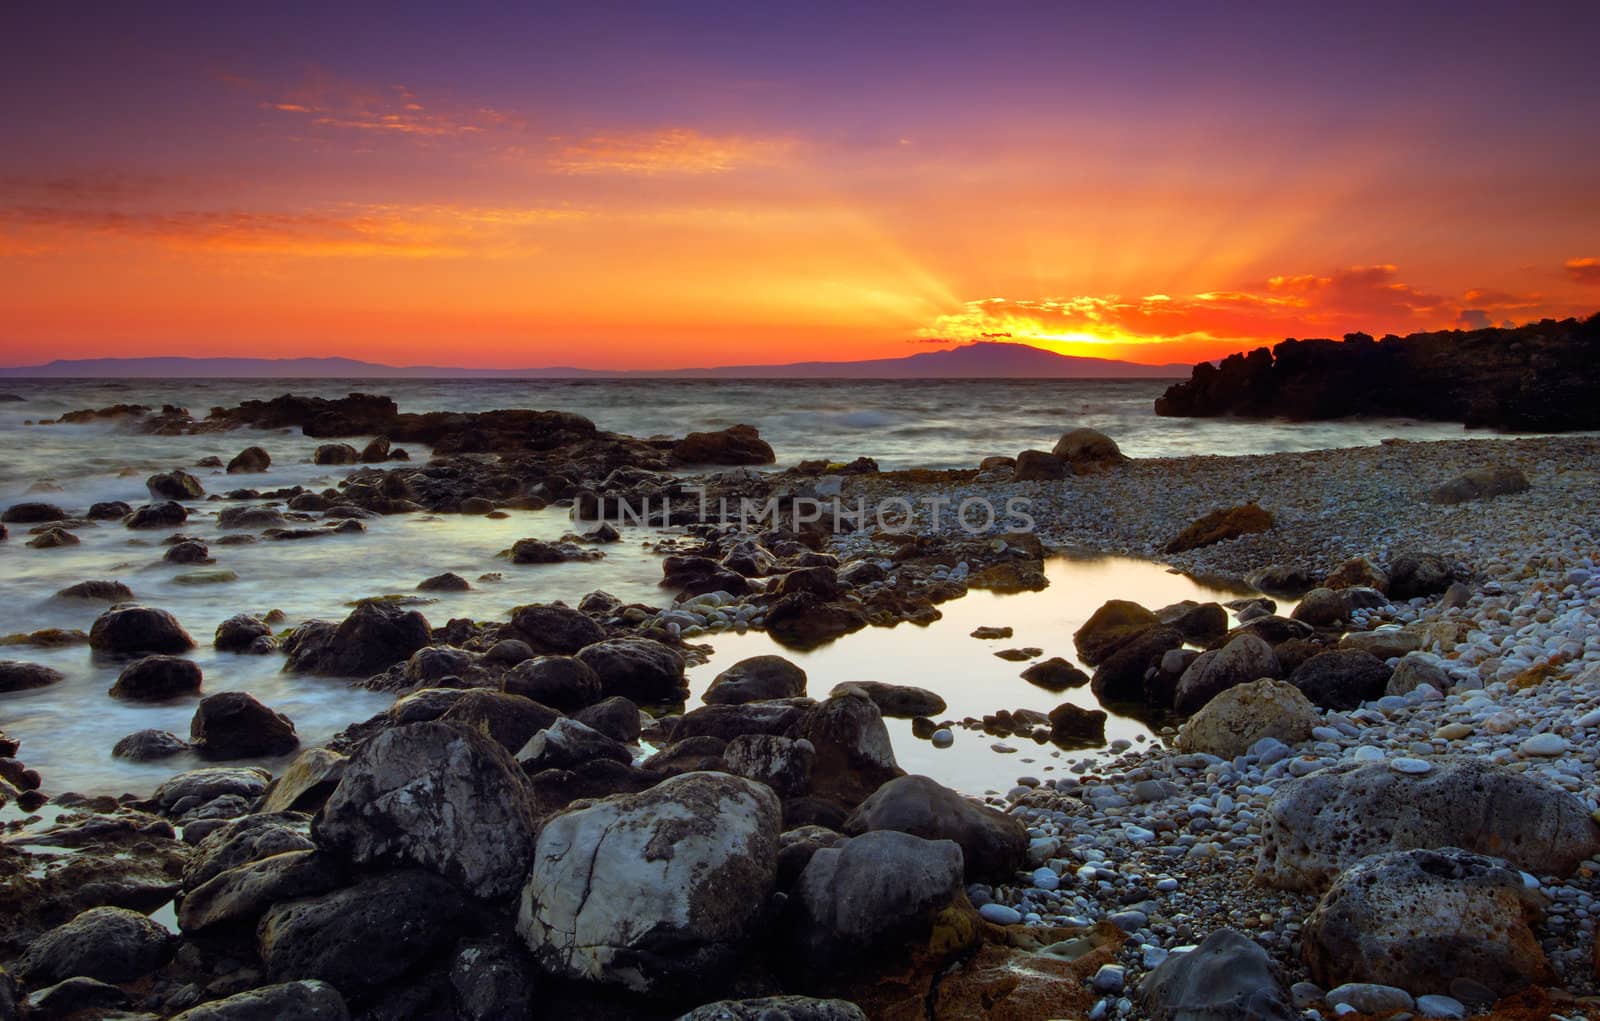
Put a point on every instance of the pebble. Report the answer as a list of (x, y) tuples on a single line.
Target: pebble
[(1544, 745), (1111, 978), (1000, 914), (942, 738), (1437, 1006), (1409, 765)]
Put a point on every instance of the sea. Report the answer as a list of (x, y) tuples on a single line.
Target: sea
[(67, 730)]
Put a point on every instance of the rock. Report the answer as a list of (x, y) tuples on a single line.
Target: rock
[(1357, 572), (373, 638), (1244, 659), (190, 790), (1370, 998), (508, 652), (157, 679), (1073, 725), (1445, 1007), (1341, 678), (98, 592), (1220, 526), (16, 675), (335, 453), (158, 515), (1126, 675), (777, 1008), (174, 485), (873, 894), (1236, 719), (1416, 669), (854, 754), (567, 743), (1040, 466), (1197, 622), (1055, 674), (437, 795), (657, 892), (243, 633), (555, 629), (446, 582), (1112, 626), (149, 746), (727, 722), (993, 844), (309, 1000), (615, 717), (1479, 484), (511, 720), (109, 510), (740, 444), (1323, 608), (376, 451), (1316, 826), (53, 538), (107, 943), (803, 620), (756, 679), (563, 682), (307, 782), (250, 517), (1384, 643), (1089, 452), (138, 631), (362, 938), (233, 725), (640, 669), (493, 979), (32, 513), (782, 763), (693, 576), (1227, 977), (1419, 574), (250, 460), (438, 665), (898, 700), (539, 551), (77, 997), (1417, 918), (241, 895)]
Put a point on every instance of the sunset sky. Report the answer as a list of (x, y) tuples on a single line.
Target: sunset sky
[(673, 185)]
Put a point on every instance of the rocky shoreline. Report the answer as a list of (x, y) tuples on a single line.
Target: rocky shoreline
[(515, 837)]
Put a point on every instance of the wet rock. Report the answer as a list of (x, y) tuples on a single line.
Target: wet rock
[(98, 592), (174, 485), (508, 652), (1200, 623), (437, 795), (511, 720), (157, 679), (1055, 674), (1419, 574), (493, 979), (32, 513), (77, 997), (109, 510), (373, 638), (1323, 608), (186, 791), (308, 1000), (615, 717), (250, 460), (897, 700), (53, 538), (567, 743), (1040, 466), (1272, 629), (777, 1008), (1479, 484), (656, 892), (376, 451), (1236, 719), (361, 939), (1220, 526), (539, 551), (822, 582), (107, 943), (335, 454), (854, 754), (564, 682), (804, 620), (241, 895), (645, 671), (1244, 659), (243, 633), (1317, 825), (993, 844), (149, 746), (1341, 678), (1416, 919), (436, 665), (1075, 725), (138, 631), (233, 725), (158, 515), (756, 679), (1227, 977), (1109, 628), (740, 444), (446, 582), (250, 517), (693, 576), (1089, 452), (555, 629), (1124, 675), (244, 840), (729, 721), (16, 675), (306, 783)]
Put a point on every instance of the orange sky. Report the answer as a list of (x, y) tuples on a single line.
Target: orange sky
[(644, 199)]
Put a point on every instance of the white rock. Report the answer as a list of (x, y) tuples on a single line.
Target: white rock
[(1544, 745)]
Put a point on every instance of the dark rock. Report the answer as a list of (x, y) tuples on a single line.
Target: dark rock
[(77, 997), (1122, 676), (307, 782), (107, 943), (700, 754), (740, 444), (565, 682), (693, 576), (251, 517), (567, 743), (250, 460), (615, 717), (1075, 725), (309, 1000), (1055, 674), (639, 669), (803, 620), (899, 700), (1089, 452), (233, 725), (493, 979), (1480, 484), (555, 629), (1112, 626), (157, 679), (1341, 678), (756, 679), (446, 582), (822, 582), (32, 513), (512, 720), (1271, 629), (138, 631), (1040, 466), (98, 592), (16, 675), (782, 763), (993, 845), (1244, 659), (1200, 623), (53, 538), (1220, 526), (158, 515), (1419, 574), (777, 1008), (854, 754), (241, 895), (1228, 976), (376, 451), (508, 652), (539, 551), (149, 746), (1323, 608), (373, 638), (174, 485), (190, 790), (109, 510), (335, 454), (729, 721), (244, 634)]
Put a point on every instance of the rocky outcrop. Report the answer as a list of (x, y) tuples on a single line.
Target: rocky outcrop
[(1532, 377), (993, 845)]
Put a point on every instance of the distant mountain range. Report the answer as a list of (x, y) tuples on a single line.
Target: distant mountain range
[(980, 360)]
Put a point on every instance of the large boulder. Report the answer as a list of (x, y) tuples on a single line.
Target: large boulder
[(1089, 451), (1244, 659), (903, 701), (1417, 919), (138, 631), (1419, 574), (566, 743), (233, 725), (243, 633), (174, 485), (1229, 724), (167, 514), (1123, 675), (241, 895), (373, 638), (1112, 626), (436, 795), (106, 943), (1341, 678), (657, 892), (18, 675), (32, 513), (739, 444), (640, 669), (756, 679), (308, 1000), (511, 720), (157, 678), (854, 754), (362, 938), (250, 460), (993, 845), (1316, 826), (1228, 977), (555, 629), (782, 763), (1220, 526), (563, 682)]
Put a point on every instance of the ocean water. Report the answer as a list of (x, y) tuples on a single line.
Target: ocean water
[(68, 729)]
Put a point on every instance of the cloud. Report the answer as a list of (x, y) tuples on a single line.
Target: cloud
[(1584, 271), (395, 111), (672, 151), (1473, 319)]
